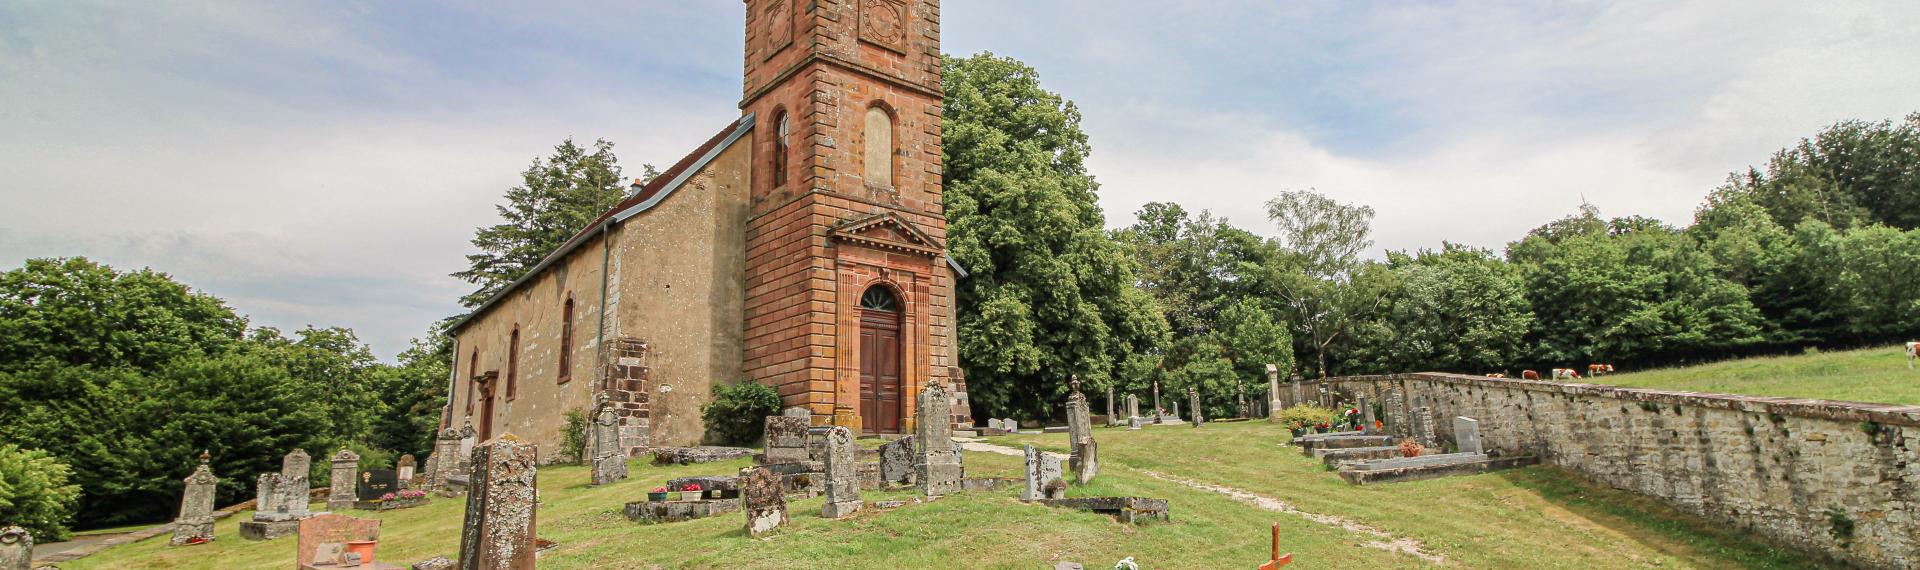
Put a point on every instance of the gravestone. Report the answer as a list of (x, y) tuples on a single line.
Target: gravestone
[(896, 461), (1366, 415), (1043, 477), (1193, 395), (1079, 425), (1273, 393), (1111, 420), (16, 548), (843, 475), (1176, 411), (1466, 435), (375, 483), (797, 412), (786, 439), (1089, 465), (609, 457), (937, 466), (468, 440), (498, 532), (405, 468), (1133, 406), (324, 538), (1157, 408), (340, 487), (1299, 394), (1423, 427), (1133, 422), (196, 506), (764, 500), (1010, 425), (443, 461), (280, 499)]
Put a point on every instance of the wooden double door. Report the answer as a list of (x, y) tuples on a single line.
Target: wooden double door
[(882, 390)]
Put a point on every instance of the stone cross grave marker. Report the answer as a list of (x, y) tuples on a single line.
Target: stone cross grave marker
[(843, 475), (345, 474), (1466, 435), (1193, 394), (937, 468), (16, 548), (609, 457), (1044, 480), (786, 439), (498, 532), (324, 538), (896, 461), (763, 499), (196, 506)]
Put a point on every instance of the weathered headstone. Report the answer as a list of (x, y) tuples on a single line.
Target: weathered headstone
[(1157, 408), (763, 499), (1089, 465), (609, 457), (406, 467), (196, 506), (797, 412), (444, 461), (1133, 422), (345, 473), (937, 467), (1366, 415), (324, 539), (786, 439), (896, 461), (843, 475), (1133, 406), (1079, 425), (16, 548), (1423, 429), (1299, 392), (468, 440), (1193, 395), (1466, 435), (498, 532), (1273, 393), (435, 563), (1111, 419), (280, 499), (1044, 480)]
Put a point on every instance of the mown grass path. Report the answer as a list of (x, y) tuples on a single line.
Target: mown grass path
[(1531, 518)]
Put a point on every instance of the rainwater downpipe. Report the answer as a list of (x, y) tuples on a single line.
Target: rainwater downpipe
[(600, 342)]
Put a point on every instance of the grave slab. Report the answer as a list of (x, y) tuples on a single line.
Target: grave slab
[(1129, 510), (1432, 471)]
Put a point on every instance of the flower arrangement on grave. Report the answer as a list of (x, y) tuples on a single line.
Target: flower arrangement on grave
[(657, 494), (412, 494), (1411, 448), (1301, 418), (690, 490), (387, 497)]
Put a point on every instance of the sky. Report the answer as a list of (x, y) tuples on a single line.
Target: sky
[(325, 162)]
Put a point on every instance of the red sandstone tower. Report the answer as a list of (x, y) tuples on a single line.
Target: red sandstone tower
[(849, 302)]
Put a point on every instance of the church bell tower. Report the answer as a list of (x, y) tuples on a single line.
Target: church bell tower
[(849, 304)]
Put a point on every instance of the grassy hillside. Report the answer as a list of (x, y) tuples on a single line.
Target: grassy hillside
[(1532, 518), (1867, 375)]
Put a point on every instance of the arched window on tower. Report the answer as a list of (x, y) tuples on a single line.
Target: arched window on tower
[(473, 374), (782, 146), (513, 364), (566, 340), (879, 151)]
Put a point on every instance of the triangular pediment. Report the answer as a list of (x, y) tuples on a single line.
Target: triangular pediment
[(887, 231)]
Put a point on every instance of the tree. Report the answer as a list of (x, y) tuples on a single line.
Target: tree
[(1459, 309), (1850, 174), (557, 197), (34, 493), (1331, 295), (74, 311), (413, 392), (1050, 294)]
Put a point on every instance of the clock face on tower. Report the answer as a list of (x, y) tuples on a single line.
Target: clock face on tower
[(779, 30), (884, 23)]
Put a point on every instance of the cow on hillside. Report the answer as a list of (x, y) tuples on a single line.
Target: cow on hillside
[(1566, 374), (1529, 375), (1597, 370), (1913, 352)]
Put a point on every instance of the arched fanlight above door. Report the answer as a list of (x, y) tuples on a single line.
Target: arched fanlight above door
[(878, 298)]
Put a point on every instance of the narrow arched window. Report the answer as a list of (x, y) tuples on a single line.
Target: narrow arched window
[(566, 341), (782, 146), (879, 151), (473, 375), (513, 363)]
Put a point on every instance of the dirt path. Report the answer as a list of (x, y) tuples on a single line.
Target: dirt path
[(1383, 540)]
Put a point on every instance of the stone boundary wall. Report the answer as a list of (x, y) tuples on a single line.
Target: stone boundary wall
[(1799, 472)]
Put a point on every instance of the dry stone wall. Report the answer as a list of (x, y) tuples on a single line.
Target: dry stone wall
[(1838, 478)]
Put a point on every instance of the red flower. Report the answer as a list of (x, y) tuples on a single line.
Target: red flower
[(659, 489)]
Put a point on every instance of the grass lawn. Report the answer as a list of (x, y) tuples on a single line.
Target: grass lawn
[(1531, 518), (1868, 375)]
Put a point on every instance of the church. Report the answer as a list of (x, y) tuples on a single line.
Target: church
[(801, 247)]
